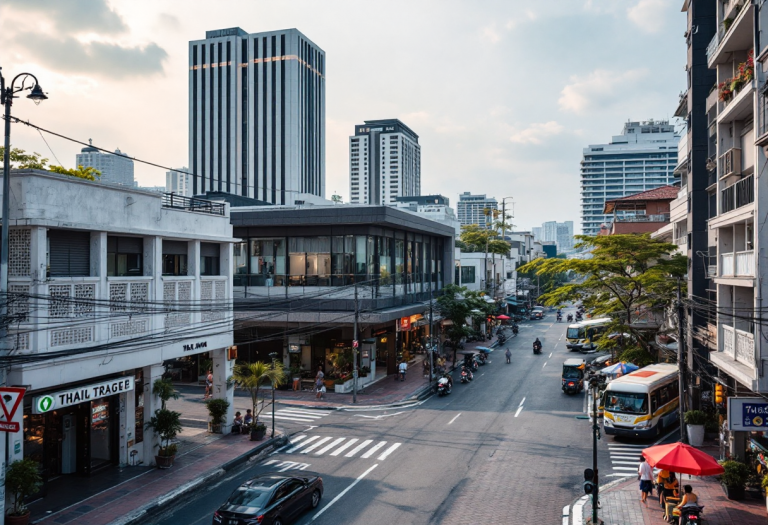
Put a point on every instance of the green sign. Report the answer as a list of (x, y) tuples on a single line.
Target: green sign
[(44, 404)]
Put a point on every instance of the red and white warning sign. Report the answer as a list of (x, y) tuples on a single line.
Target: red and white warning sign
[(10, 399)]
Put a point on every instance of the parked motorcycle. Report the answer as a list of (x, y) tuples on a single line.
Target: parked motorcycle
[(443, 386), (692, 513), (466, 375)]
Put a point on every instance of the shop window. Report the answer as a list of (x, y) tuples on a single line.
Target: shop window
[(125, 256), (309, 260), (467, 274)]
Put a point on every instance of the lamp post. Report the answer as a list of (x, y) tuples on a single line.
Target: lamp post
[(273, 355), (7, 94), (504, 238)]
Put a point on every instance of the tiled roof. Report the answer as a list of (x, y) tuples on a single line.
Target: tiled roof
[(656, 194)]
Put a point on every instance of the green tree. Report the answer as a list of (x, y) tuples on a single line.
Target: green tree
[(459, 304), (252, 376), (87, 173), (20, 159), (626, 273), (474, 239)]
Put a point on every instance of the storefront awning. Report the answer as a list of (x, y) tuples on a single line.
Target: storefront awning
[(511, 301)]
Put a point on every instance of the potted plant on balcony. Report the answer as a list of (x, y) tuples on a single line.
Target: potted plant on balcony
[(22, 479), (734, 479), (251, 377), (694, 423), (217, 410), (166, 423), (724, 91)]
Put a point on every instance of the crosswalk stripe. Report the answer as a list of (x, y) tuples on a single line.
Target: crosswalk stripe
[(387, 452), (302, 444), (626, 463), (376, 447), (616, 475), (329, 447), (292, 442), (314, 413), (291, 418), (313, 447), (344, 447), (625, 449), (625, 468), (358, 448), (625, 445)]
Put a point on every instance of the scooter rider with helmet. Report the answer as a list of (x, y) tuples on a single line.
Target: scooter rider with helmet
[(537, 346)]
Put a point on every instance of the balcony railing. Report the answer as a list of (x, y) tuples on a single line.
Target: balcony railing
[(739, 345), (180, 202), (726, 264), (730, 163), (663, 217), (738, 264), (712, 46), (737, 195)]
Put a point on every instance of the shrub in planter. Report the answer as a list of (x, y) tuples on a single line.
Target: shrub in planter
[(166, 423), (734, 478), (694, 422), (364, 371), (217, 410), (22, 479), (257, 431)]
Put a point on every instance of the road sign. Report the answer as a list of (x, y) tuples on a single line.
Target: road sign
[(10, 399), (354, 343)]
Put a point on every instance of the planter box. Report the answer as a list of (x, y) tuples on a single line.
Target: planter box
[(345, 387), (695, 435), (164, 462), (258, 435), (734, 493)]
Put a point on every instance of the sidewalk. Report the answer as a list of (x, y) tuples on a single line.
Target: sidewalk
[(621, 505)]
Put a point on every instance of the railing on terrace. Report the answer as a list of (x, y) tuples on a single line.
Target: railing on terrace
[(739, 345), (726, 264), (737, 195), (663, 217), (180, 202), (728, 9), (745, 263)]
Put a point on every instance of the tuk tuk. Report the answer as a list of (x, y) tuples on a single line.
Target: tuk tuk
[(470, 361), (573, 375)]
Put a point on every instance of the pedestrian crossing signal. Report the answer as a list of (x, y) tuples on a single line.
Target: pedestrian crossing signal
[(590, 487)]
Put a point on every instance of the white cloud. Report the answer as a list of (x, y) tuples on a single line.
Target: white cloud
[(648, 15), (490, 33), (598, 89), (537, 133)]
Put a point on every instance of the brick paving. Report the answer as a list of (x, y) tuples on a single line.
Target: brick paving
[(621, 505)]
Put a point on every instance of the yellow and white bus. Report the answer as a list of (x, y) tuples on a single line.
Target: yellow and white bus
[(642, 403), (582, 335)]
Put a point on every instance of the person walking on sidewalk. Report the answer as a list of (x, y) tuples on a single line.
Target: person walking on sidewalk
[(645, 475), (403, 367)]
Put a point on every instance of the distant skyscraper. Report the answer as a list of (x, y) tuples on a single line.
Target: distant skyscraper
[(257, 114), (538, 233), (384, 162), (115, 168), (178, 182), (561, 233), (643, 157), (471, 209)]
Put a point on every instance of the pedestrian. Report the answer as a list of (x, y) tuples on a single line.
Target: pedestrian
[(237, 424), (248, 419), (645, 476), (208, 385), (319, 386), (403, 368), (322, 392), (509, 356)]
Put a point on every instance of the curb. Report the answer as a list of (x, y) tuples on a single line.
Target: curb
[(161, 503), (603, 488)]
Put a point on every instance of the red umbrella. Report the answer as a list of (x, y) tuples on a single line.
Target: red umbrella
[(502, 316), (683, 459)]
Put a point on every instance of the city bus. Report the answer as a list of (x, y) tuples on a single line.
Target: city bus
[(642, 403), (582, 335)]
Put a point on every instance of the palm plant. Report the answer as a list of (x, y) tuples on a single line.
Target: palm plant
[(252, 376)]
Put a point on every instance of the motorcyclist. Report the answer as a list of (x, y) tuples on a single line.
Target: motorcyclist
[(514, 329), (570, 318), (537, 345)]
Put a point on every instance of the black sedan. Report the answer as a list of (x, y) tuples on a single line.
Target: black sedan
[(271, 499)]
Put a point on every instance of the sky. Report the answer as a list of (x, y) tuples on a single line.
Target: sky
[(503, 94)]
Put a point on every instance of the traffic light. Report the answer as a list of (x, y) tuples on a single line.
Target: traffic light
[(590, 481), (719, 394)]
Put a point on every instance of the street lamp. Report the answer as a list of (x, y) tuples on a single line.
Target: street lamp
[(273, 355)]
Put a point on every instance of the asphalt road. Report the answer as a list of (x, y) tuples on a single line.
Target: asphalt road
[(505, 448)]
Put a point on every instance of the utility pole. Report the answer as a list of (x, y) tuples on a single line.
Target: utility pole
[(681, 362), (354, 353), (431, 339), (592, 485), (273, 355)]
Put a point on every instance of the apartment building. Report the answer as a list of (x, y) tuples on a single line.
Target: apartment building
[(115, 168), (104, 298), (473, 209)]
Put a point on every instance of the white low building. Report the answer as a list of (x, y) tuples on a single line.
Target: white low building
[(494, 274), (109, 288)]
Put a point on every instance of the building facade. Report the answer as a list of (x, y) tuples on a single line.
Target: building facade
[(561, 233), (115, 168), (472, 209), (433, 207), (179, 182), (101, 304), (384, 162), (257, 115), (643, 157)]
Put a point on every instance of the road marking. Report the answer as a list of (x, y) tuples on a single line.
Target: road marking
[(329, 447), (381, 416), (313, 447), (387, 452), (621, 456), (578, 510), (358, 448), (519, 409), (344, 447), (521, 402), (290, 465), (566, 514), (292, 443), (561, 337), (624, 462), (337, 498), (550, 355), (297, 447), (545, 364), (631, 469), (556, 344), (373, 449), (454, 418)]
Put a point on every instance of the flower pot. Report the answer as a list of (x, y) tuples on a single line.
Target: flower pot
[(257, 434), (214, 429), (695, 435), (734, 493), (17, 520), (164, 462)]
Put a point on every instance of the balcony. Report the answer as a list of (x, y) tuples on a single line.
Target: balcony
[(735, 35), (738, 264), (739, 106), (179, 202), (739, 345), (712, 98), (737, 195), (730, 163)]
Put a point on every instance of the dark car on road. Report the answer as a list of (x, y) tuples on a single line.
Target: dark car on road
[(271, 499)]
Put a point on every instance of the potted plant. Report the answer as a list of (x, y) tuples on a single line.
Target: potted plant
[(22, 479), (217, 410), (764, 485), (166, 423), (734, 479), (364, 371), (251, 377), (694, 423)]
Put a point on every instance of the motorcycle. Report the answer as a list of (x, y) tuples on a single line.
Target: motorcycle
[(578, 317), (559, 318), (466, 375), (515, 329), (536, 348), (502, 338), (570, 318), (692, 513), (481, 359), (443, 386)]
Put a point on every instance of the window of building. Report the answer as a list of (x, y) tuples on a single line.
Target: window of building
[(467, 274), (209, 259), (125, 256), (174, 257), (69, 253)]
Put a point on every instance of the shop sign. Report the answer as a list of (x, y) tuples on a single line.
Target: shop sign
[(48, 402), (294, 348), (195, 346), (405, 324), (747, 414)]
